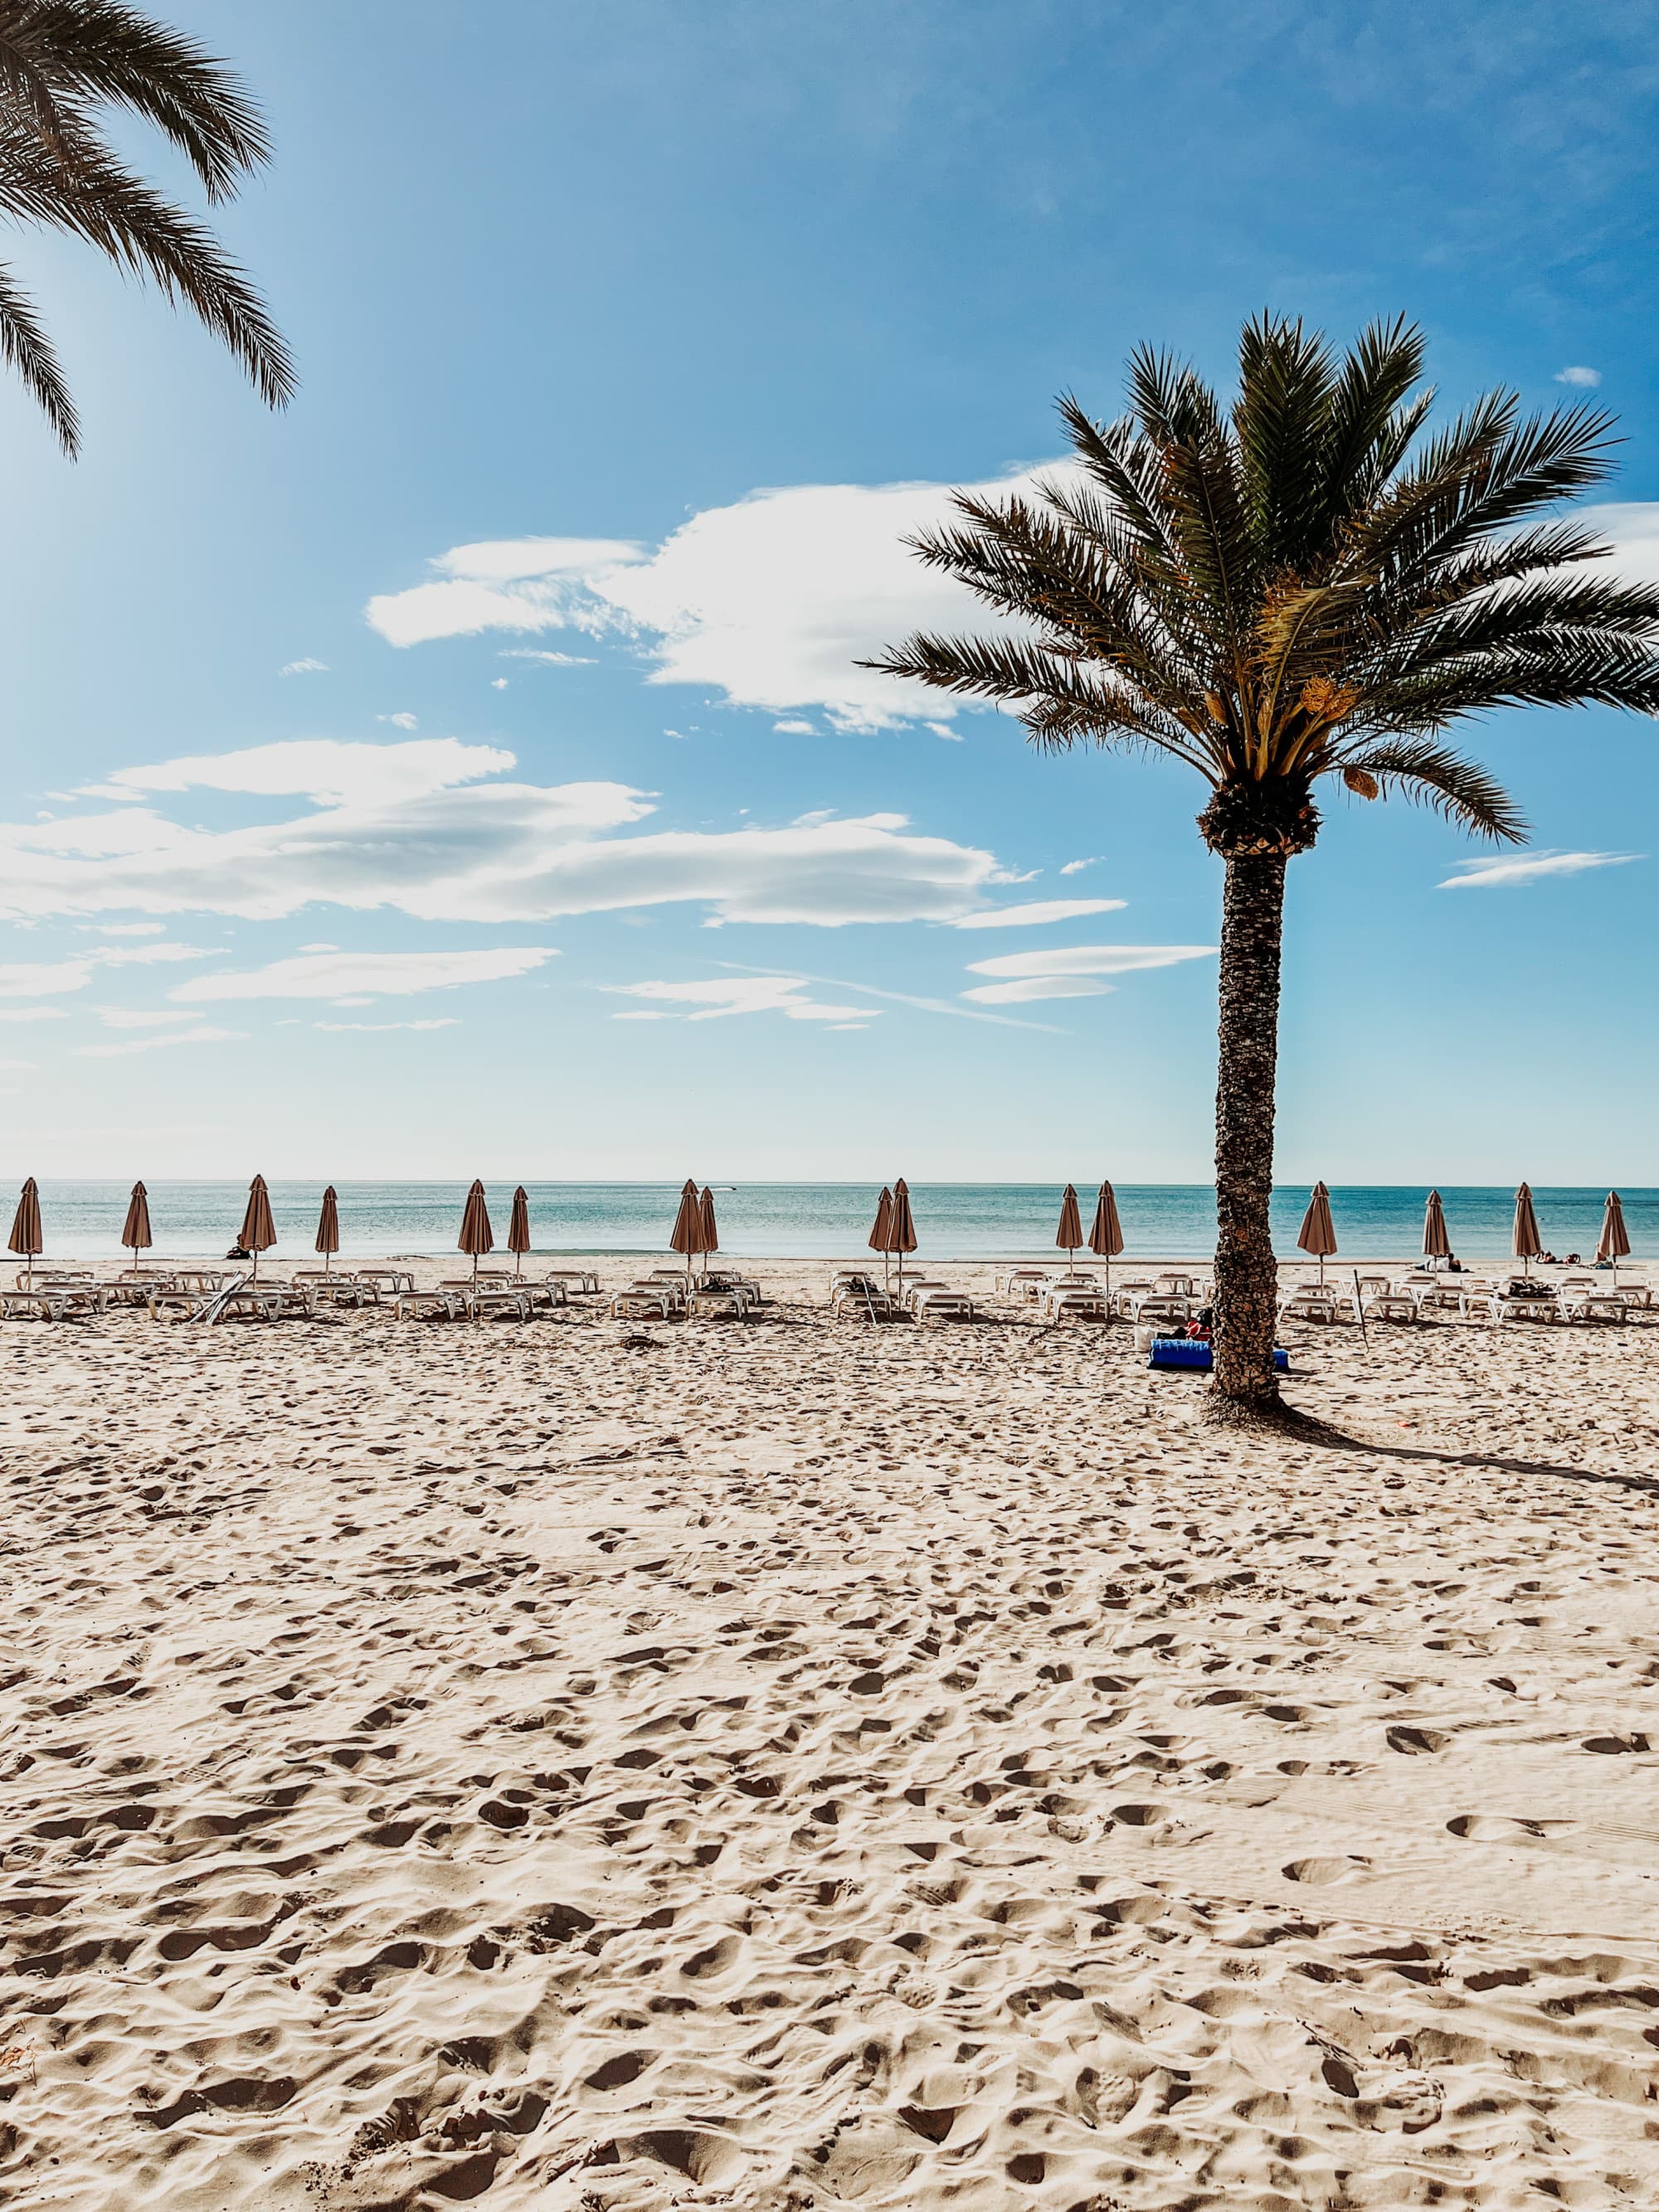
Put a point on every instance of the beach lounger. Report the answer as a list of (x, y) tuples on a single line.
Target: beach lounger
[(1593, 1305), (1022, 1282), (493, 1298), (723, 1304), (384, 1281), (1308, 1304), (864, 1300), (939, 1301), (1165, 1317), (1389, 1305), (642, 1305), (427, 1305), (38, 1304), (575, 1282), (1072, 1302)]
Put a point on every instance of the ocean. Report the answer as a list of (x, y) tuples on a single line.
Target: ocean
[(960, 1221)]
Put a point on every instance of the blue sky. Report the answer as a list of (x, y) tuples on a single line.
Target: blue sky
[(465, 773)]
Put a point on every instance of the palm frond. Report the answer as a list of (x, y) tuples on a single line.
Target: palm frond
[(1434, 776), (60, 57), (99, 200), (24, 347)]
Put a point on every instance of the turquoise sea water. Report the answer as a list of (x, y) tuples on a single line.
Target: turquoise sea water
[(831, 1221)]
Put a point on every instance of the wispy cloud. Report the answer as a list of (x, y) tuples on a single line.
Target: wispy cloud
[(120, 1017), (379, 975), (403, 720), (1585, 378), (1035, 912), (154, 1043), (1530, 868), (444, 1022), (754, 994), (1070, 971), (546, 659), (947, 1006), (1076, 867), (306, 667)]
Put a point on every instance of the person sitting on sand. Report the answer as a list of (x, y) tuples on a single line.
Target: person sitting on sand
[(237, 1252)]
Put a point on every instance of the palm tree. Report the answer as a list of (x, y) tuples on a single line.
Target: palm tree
[(60, 62), (1291, 589)]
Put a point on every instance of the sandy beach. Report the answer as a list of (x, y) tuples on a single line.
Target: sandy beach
[(795, 1764)]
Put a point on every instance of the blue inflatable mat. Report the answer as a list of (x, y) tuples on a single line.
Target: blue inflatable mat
[(1192, 1351)]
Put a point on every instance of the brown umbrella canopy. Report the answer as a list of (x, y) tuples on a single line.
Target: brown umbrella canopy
[(258, 1231), (1069, 1235), (1437, 1245), (135, 1230), (902, 1228), (517, 1228), (476, 1237), (686, 1234), (328, 1227), (1317, 1234), (1615, 1244), (26, 1236), (880, 1238), (1106, 1231), (710, 1241), (1526, 1243)]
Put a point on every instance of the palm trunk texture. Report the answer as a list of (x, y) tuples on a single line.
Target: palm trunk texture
[(1246, 1274)]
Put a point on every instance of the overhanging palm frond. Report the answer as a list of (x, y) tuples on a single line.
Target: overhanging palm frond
[(61, 63), (1434, 776), (61, 57), (24, 347)]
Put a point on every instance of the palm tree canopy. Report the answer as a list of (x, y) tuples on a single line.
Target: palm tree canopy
[(1299, 586), (62, 62)]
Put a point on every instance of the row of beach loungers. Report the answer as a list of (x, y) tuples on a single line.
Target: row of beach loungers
[(187, 1291), (1162, 1305)]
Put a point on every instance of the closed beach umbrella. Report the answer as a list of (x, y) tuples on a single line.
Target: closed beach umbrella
[(686, 1234), (903, 1228), (135, 1231), (711, 1234), (518, 1229), (1437, 1245), (1106, 1231), (1069, 1235), (476, 1237), (328, 1228), (258, 1231), (1527, 1243), (1614, 1244), (1317, 1234), (26, 1238), (880, 1238)]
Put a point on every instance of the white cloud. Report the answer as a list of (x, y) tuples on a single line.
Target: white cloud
[(446, 1022), (382, 974), (33, 1014), (795, 729), (40, 979), (306, 667), (146, 955), (1076, 867), (18, 1067), (1026, 989), (1586, 379), (117, 1017), (1085, 960), (1530, 867), (498, 683), (403, 721), (153, 1043), (127, 928), (547, 659), (771, 601), (749, 994), (411, 826), (641, 1014), (1036, 911), (326, 770)]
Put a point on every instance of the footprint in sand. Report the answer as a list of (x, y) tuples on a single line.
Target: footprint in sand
[(1326, 1872)]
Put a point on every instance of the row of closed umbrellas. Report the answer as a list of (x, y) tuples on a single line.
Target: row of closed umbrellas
[(696, 1232), (258, 1231), (1317, 1235)]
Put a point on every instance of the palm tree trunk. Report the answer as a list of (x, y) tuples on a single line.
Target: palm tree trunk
[(1246, 1274)]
